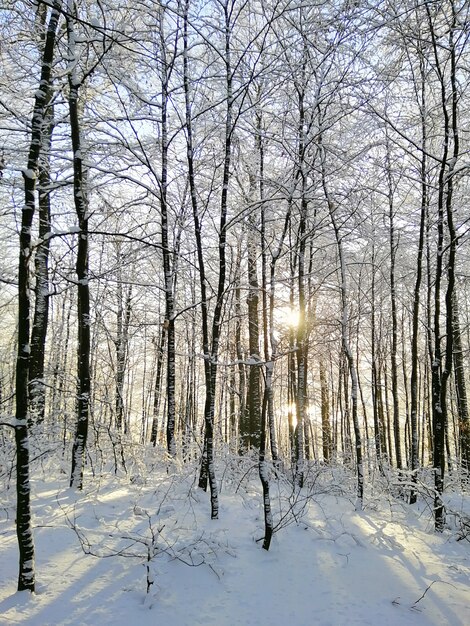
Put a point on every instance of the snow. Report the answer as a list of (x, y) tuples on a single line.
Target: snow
[(329, 565)]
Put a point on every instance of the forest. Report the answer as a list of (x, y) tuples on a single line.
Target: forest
[(234, 258)]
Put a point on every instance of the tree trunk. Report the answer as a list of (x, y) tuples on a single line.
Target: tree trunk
[(81, 266), (461, 392), (253, 400), (394, 345), (346, 342), (210, 349), (166, 252), (37, 386), (325, 415), (416, 298), (24, 531), (442, 363), (122, 345), (157, 389), (243, 439)]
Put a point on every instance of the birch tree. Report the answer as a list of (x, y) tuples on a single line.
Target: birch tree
[(26, 576)]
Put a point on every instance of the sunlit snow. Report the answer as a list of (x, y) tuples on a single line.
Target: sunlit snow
[(329, 565)]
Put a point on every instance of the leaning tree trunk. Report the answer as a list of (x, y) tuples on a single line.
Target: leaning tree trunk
[(24, 532)]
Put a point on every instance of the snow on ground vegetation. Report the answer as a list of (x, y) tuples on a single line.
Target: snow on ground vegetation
[(139, 548)]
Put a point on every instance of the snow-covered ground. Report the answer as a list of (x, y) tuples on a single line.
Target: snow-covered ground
[(329, 565)]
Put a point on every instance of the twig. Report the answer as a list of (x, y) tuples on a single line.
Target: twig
[(428, 588)]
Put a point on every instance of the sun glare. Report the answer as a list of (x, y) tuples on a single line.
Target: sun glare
[(292, 414), (288, 316)]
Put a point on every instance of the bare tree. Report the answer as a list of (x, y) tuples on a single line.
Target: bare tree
[(26, 576), (37, 386)]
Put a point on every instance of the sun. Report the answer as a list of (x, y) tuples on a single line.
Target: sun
[(287, 316)]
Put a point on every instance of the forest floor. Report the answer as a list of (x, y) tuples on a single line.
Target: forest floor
[(98, 551)]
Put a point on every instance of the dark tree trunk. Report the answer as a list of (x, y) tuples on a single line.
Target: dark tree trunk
[(325, 415), (346, 344), (301, 335), (82, 270), (210, 350), (157, 393), (37, 387), (166, 252), (253, 401), (416, 298), (376, 389), (263, 474), (24, 531), (207, 465), (122, 345), (243, 439), (461, 392), (442, 363), (393, 301)]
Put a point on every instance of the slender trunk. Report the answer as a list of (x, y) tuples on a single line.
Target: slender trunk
[(376, 390), (442, 363), (267, 410), (301, 336), (37, 387), (263, 474), (268, 319), (461, 392), (416, 297), (394, 345), (292, 375), (243, 442), (253, 400), (166, 252), (210, 351), (346, 344), (207, 466), (157, 389), (325, 415), (81, 266), (122, 346), (24, 531)]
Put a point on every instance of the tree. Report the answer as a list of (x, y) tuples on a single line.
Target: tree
[(169, 276), (460, 389), (37, 387), (441, 363), (81, 203), (80, 197), (26, 576)]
